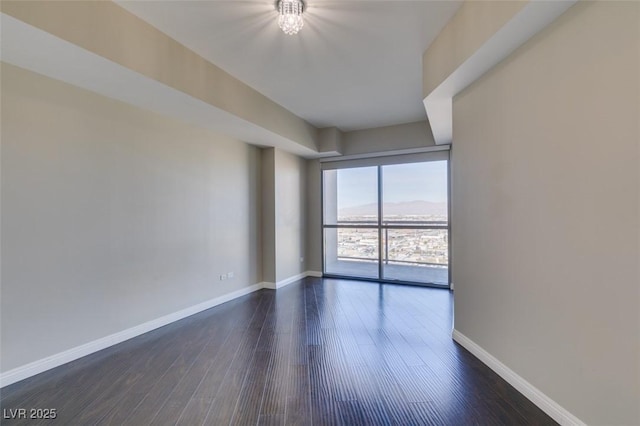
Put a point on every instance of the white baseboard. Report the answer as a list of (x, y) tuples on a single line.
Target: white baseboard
[(546, 404), (290, 280), (44, 364)]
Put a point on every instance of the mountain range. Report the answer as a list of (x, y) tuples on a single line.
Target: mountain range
[(417, 207)]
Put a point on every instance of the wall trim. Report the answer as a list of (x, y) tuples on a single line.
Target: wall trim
[(39, 366), (535, 395), (406, 151), (290, 280), (36, 367)]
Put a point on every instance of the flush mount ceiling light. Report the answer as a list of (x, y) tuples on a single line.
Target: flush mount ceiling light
[(290, 19)]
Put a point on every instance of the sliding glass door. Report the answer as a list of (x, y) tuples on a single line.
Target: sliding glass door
[(351, 234), (415, 222), (387, 222)]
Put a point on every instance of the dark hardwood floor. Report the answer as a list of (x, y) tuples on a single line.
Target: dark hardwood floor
[(317, 352)]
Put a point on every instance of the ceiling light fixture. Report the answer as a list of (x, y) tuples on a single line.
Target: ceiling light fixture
[(290, 19)]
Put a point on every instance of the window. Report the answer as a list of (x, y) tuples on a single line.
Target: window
[(387, 222)]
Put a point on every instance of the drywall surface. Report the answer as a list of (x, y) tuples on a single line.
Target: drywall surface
[(108, 30), (387, 139), (314, 216), (545, 212), (473, 24), (290, 217), (268, 207), (113, 216)]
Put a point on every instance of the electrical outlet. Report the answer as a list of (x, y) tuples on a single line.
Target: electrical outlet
[(230, 275), (223, 277)]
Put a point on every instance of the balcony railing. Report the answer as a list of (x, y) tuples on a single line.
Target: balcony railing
[(391, 255), (399, 250), (419, 224), (386, 260)]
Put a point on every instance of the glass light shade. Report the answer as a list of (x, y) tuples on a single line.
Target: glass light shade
[(290, 20)]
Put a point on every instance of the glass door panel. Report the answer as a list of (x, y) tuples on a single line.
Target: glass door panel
[(351, 196), (351, 245), (416, 255), (415, 192), (415, 222), (407, 242), (351, 252)]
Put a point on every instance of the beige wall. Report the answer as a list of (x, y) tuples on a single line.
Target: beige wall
[(314, 216), (290, 214), (268, 207), (546, 212), (108, 30), (387, 139), (472, 25), (283, 215), (113, 216)]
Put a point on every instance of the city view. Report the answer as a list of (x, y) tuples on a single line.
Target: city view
[(409, 244), (405, 246)]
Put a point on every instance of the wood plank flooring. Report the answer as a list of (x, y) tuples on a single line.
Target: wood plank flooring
[(317, 352)]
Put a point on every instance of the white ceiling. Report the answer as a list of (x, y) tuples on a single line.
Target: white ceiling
[(354, 65)]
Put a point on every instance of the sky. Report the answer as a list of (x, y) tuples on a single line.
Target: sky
[(402, 182)]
